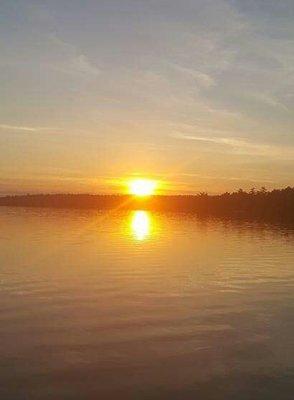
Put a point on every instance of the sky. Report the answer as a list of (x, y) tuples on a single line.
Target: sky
[(195, 93)]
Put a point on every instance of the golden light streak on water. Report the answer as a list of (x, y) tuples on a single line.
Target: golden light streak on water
[(141, 225)]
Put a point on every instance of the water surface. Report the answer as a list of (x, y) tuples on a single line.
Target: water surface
[(98, 305)]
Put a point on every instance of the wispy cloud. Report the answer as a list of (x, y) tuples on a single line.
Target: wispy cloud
[(217, 140), (202, 78), (242, 146), (26, 128), (225, 178), (73, 60)]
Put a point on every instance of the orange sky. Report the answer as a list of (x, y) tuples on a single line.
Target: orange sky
[(197, 95)]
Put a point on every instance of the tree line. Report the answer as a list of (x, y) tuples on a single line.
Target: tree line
[(255, 203)]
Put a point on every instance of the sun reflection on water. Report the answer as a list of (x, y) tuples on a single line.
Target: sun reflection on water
[(141, 225)]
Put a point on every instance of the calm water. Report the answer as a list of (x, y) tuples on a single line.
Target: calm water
[(144, 306)]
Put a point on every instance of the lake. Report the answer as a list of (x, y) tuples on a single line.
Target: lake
[(139, 305)]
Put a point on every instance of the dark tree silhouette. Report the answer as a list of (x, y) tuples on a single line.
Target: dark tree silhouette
[(257, 204)]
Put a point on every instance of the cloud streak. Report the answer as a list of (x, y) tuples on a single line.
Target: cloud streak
[(242, 146), (26, 128)]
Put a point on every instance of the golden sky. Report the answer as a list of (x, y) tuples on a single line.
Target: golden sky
[(197, 94)]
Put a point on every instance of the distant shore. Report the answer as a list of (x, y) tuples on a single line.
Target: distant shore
[(257, 204)]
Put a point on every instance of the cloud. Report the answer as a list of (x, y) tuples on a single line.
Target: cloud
[(82, 64), (268, 100), (243, 146), (72, 61), (25, 128), (202, 78), (227, 141), (225, 178)]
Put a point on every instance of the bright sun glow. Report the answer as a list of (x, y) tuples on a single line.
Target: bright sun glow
[(141, 225), (142, 187)]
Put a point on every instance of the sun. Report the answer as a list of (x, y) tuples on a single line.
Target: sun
[(142, 187)]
